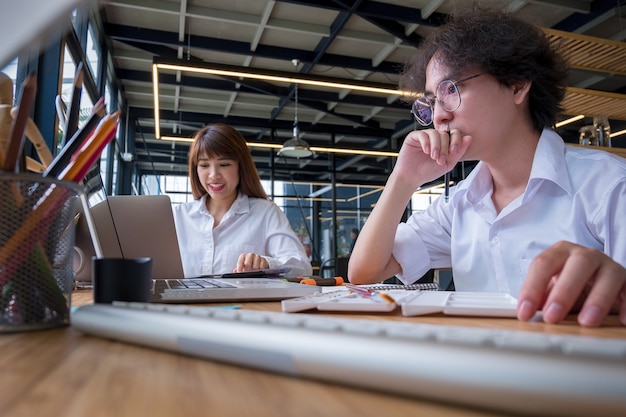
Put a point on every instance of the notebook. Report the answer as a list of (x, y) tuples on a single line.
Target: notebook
[(143, 226)]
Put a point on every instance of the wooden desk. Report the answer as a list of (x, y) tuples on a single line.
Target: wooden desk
[(62, 372)]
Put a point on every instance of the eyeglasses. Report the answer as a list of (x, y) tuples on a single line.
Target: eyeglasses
[(448, 97)]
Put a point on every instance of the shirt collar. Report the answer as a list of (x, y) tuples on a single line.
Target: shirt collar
[(240, 205), (548, 164)]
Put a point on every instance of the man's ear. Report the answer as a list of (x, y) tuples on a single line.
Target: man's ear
[(520, 91)]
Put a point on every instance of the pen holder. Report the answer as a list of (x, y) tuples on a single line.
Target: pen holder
[(37, 228)]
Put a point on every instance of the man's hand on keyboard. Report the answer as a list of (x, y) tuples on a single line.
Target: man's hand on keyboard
[(568, 277)]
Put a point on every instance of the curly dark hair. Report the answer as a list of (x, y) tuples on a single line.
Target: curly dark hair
[(497, 43)]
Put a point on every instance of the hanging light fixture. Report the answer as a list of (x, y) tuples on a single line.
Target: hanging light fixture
[(295, 147)]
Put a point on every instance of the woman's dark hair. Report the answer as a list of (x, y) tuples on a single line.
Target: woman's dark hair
[(499, 44), (222, 140)]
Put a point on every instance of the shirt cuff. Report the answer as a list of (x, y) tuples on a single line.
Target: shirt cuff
[(271, 262)]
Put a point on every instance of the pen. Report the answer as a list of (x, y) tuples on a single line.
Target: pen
[(367, 292)]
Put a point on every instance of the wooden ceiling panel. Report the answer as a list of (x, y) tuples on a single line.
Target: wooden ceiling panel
[(591, 53), (594, 103)]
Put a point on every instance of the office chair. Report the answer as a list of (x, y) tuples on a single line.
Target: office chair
[(338, 267)]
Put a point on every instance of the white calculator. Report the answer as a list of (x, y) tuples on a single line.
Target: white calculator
[(459, 303)]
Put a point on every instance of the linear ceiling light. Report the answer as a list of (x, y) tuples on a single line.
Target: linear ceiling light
[(582, 116), (568, 121), (342, 151), (157, 111), (276, 76)]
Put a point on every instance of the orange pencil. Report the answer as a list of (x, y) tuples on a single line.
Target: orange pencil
[(65, 155), (94, 157), (322, 282), (92, 147)]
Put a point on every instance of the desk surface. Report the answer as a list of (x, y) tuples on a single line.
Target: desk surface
[(63, 372)]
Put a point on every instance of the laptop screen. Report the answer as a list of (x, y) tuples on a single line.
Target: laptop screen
[(87, 242), (127, 227)]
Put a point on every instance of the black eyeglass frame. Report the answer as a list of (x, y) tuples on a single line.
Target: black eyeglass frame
[(430, 102)]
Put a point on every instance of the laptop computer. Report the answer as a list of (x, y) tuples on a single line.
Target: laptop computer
[(135, 226), (127, 227), (143, 226)]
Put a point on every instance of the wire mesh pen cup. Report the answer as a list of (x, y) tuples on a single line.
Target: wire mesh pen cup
[(37, 230)]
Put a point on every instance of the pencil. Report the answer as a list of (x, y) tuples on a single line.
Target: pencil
[(74, 111), (16, 135), (64, 156), (85, 156), (446, 179), (446, 190), (93, 157)]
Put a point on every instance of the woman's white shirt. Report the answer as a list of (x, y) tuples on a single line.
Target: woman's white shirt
[(251, 225)]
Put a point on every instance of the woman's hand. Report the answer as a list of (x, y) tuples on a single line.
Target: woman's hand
[(568, 277), (250, 262)]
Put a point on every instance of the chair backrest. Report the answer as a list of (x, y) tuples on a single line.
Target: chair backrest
[(341, 268), (338, 266)]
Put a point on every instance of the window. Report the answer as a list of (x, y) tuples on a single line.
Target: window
[(11, 72)]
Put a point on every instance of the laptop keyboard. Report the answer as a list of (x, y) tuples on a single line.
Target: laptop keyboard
[(509, 371), (197, 284)]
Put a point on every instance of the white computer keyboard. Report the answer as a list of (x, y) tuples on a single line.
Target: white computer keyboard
[(508, 371)]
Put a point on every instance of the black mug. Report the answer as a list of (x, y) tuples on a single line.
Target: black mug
[(121, 279)]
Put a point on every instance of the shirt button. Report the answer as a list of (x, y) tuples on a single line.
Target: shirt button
[(495, 240)]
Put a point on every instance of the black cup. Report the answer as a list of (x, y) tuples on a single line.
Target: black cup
[(120, 279)]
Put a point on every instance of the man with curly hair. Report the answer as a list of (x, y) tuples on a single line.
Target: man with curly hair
[(535, 218)]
